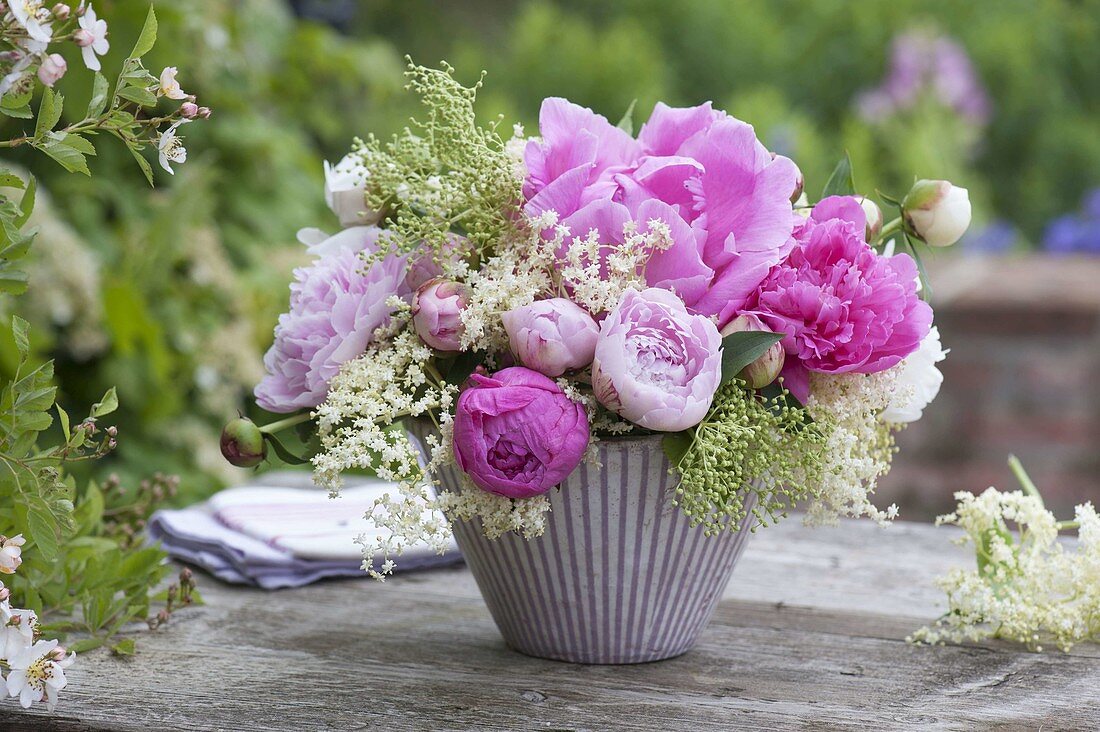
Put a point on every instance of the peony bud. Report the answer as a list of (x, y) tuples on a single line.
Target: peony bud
[(83, 38), (552, 336), (52, 69), (242, 443), (189, 110), (765, 369), (874, 218), (61, 11), (937, 212), (437, 313)]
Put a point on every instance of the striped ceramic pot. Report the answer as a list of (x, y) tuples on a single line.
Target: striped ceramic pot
[(620, 576)]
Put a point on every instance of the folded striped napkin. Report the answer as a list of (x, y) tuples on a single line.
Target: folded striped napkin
[(282, 532)]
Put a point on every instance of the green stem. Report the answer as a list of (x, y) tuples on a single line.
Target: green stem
[(282, 424), (1023, 478), (889, 229), (1068, 525)]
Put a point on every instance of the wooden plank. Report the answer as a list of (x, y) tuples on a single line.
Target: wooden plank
[(809, 635)]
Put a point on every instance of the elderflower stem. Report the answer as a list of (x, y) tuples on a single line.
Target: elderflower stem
[(1067, 525), (1023, 478)]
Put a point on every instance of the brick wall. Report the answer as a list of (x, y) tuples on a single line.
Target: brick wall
[(1023, 376)]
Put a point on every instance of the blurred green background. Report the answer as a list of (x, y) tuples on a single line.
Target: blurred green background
[(171, 294)]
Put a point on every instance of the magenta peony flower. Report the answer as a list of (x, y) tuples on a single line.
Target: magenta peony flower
[(516, 434), (725, 198), (843, 306), (552, 336), (657, 365), (437, 313), (334, 310)]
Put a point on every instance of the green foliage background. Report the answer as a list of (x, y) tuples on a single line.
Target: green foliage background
[(171, 294)]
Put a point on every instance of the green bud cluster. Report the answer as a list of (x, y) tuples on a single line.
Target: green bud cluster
[(445, 174), (749, 443)]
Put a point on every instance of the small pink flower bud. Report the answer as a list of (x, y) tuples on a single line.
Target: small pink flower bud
[(61, 11), (52, 69), (765, 369), (58, 653), (552, 336), (437, 313), (205, 112), (189, 110), (83, 38), (5, 593)]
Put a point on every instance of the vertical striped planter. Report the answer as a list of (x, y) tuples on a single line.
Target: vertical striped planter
[(620, 576)]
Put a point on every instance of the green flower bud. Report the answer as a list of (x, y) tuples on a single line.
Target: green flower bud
[(765, 369), (243, 444)]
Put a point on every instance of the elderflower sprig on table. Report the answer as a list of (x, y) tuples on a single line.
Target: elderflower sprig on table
[(1027, 586)]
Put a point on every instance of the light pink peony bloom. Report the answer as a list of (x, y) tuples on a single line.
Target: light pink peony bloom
[(656, 364), (552, 336), (725, 198), (335, 308), (843, 306), (437, 313), (516, 434)]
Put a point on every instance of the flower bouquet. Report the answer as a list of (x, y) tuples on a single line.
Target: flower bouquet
[(605, 358)]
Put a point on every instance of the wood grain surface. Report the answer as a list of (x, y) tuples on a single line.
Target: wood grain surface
[(809, 636)]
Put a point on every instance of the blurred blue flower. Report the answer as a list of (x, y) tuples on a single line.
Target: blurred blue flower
[(996, 237), (1076, 232)]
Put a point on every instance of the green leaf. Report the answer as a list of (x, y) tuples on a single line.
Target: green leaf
[(17, 105), (148, 36), (143, 164), (10, 180), (840, 183), (75, 141), (42, 527), (13, 282), (284, 454), (925, 285), (63, 416), (83, 645), (137, 95), (26, 204), (107, 404), (124, 647), (49, 112), (626, 124), (677, 444), (68, 157), (19, 331), (742, 348), (98, 102)]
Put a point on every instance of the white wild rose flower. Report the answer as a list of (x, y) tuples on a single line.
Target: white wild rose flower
[(171, 148), (34, 17), (92, 38), (38, 673)]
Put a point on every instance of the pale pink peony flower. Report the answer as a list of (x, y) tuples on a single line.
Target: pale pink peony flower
[(723, 195), (552, 336), (656, 364), (335, 308)]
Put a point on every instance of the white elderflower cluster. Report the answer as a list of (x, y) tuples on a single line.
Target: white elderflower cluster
[(498, 514), (859, 445), (1027, 586)]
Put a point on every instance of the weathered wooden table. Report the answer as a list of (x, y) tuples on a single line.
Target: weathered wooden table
[(810, 635)]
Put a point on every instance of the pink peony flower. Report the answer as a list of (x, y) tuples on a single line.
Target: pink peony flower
[(844, 307), (516, 434), (335, 307), (725, 198), (437, 313), (656, 364), (552, 336)]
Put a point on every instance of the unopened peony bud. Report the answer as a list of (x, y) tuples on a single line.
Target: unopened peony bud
[(874, 218), (765, 369), (52, 69), (552, 336), (83, 38), (437, 313), (61, 11), (243, 444), (189, 110), (937, 212)]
